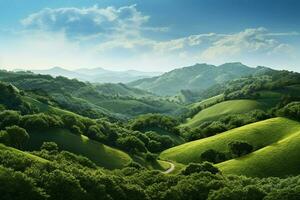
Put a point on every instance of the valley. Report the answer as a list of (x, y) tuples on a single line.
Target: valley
[(247, 126)]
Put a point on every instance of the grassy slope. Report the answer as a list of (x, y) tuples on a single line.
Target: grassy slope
[(260, 134), (101, 154), (279, 159), (221, 109), (22, 154), (206, 101)]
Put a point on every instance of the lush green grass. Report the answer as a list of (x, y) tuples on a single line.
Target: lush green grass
[(206, 102), (279, 159), (224, 108), (99, 153), (260, 134), (4, 148)]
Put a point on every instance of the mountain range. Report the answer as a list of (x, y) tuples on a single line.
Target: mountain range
[(195, 78), (98, 75)]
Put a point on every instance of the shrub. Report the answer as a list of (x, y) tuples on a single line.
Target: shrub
[(213, 156), (239, 148), (202, 167)]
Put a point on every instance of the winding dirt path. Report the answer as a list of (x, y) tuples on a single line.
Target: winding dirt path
[(170, 169)]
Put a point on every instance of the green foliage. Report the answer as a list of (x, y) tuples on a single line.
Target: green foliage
[(49, 146), (213, 156), (17, 136), (197, 168), (131, 144), (9, 118), (11, 98), (146, 122), (240, 148), (228, 122), (291, 110), (16, 186)]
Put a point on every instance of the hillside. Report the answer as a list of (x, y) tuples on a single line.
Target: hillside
[(215, 112), (100, 154), (196, 78), (90, 100), (260, 134), (278, 159)]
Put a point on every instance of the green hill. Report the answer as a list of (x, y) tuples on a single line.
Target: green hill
[(278, 159), (224, 108), (101, 154), (197, 77), (94, 101), (260, 134)]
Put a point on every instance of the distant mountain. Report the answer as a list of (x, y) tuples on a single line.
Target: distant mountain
[(195, 78), (98, 75)]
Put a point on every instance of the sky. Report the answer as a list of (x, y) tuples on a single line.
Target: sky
[(148, 35)]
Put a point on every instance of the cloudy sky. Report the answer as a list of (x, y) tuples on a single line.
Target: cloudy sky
[(148, 35)]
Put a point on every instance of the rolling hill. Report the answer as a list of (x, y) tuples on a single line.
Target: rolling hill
[(260, 135), (225, 108), (196, 78), (95, 101), (278, 159), (97, 152)]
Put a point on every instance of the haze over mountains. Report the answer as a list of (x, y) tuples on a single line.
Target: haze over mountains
[(196, 78), (98, 75)]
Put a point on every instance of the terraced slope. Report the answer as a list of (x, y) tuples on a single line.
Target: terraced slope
[(260, 135), (99, 153)]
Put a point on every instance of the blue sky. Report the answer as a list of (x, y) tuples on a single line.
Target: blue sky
[(148, 35)]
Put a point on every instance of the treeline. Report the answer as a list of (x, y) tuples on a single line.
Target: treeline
[(112, 134), (11, 98), (64, 175), (270, 80), (225, 123)]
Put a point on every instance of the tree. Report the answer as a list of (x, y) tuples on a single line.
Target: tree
[(17, 136), (16, 185), (131, 144), (50, 146), (200, 167), (9, 118), (213, 156), (62, 185), (239, 148)]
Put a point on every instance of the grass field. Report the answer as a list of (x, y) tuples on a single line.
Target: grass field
[(221, 109), (101, 154), (260, 134), (278, 159)]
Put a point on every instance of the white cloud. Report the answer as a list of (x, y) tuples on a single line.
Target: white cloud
[(115, 37), (89, 21), (256, 40)]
